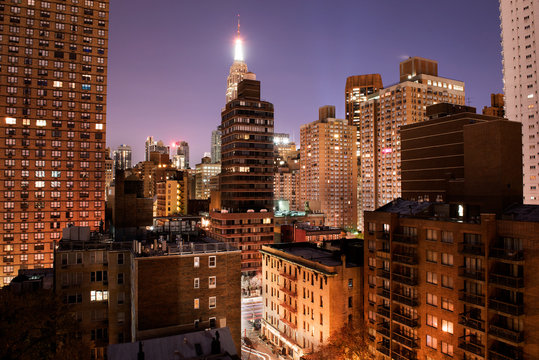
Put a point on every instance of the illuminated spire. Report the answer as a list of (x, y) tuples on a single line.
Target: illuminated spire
[(238, 49)]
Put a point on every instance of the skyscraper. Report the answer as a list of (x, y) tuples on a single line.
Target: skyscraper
[(328, 168), (122, 157), (148, 143), (379, 116), (238, 69), (245, 214), (519, 45), (53, 150), (216, 145)]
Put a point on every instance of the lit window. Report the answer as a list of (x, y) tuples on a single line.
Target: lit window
[(196, 304), (197, 261), (41, 122), (99, 126), (447, 326), (11, 121)]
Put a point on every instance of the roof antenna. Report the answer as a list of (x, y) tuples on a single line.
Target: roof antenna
[(238, 24)]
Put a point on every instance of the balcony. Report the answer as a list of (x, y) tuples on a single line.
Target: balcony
[(383, 311), (405, 239), (502, 332), (506, 306), (472, 249), (383, 273), (406, 300), (407, 259), (384, 293), (405, 279), (467, 320), (471, 298), (515, 282), (506, 254), (291, 293), (383, 348), (382, 235), (383, 329), (405, 320), (383, 254), (502, 351), (403, 355), (289, 307), (288, 322), (290, 277), (405, 340), (469, 344), (472, 274)]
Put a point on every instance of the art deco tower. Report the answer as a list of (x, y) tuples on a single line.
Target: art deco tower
[(52, 110), (238, 69)]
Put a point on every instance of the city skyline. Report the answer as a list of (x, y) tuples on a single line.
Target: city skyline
[(187, 79)]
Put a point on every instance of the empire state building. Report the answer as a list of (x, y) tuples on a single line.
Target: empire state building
[(238, 70)]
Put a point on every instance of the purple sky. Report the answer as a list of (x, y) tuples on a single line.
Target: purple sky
[(168, 59)]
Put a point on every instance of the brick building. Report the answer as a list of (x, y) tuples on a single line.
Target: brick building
[(303, 232), (447, 280), (53, 138), (299, 285)]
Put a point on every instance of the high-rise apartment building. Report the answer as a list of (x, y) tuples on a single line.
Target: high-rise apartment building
[(379, 116), (216, 145), (181, 157), (149, 142), (328, 168), (245, 212), (519, 46), (156, 147), (173, 194), (122, 157), (54, 55)]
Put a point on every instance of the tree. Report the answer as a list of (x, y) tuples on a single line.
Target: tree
[(37, 325), (348, 343)]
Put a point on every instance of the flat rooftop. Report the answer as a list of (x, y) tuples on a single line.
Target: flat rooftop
[(310, 252)]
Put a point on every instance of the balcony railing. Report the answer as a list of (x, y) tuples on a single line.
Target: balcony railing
[(506, 306), (473, 274), (381, 235), (291, 277), (405, 259), (466, 343), (291, 293), (405, 239), (502, 351), (384, 293), (405, 320), (405, 279), (406, 300), (467, 320), (506, 254), (500, 331), (383, 329), (405, 340), (516, 282), (381, 310), (383, 254), (288, 322), (471, 298), (383, 273), (404, 355), (472, 249), (383, 348)]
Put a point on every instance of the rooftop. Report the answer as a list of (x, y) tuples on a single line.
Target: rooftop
[(521, 212), (322, 255)]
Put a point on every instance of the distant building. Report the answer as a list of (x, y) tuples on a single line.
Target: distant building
[(157, 147), (496, 106), (204, 172), (378, 114), (216, 145), (181, 157), (238, 70), (309, 293), (122, 157), (173, 194), (283, 218), (328, 169), (286, 183), (303, 232)]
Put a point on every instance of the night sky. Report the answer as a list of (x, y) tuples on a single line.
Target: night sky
[(169, 59)]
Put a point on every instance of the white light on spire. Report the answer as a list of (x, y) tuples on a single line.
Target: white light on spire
[(238, 50)]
